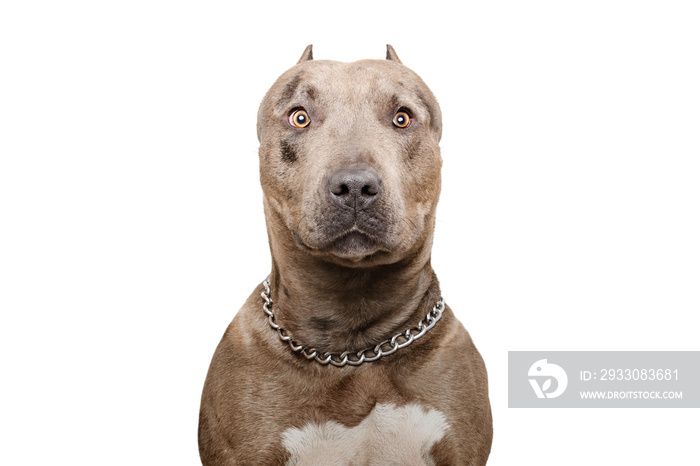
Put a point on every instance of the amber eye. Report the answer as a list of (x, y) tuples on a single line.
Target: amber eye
[(299, 118), (402, 119)]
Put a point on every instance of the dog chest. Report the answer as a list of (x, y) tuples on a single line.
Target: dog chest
[(389, 435)]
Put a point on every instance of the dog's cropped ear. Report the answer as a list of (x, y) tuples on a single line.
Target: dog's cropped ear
[(307, 55), (391, 54)]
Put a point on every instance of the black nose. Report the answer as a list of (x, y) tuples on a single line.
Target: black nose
[(356, 187)]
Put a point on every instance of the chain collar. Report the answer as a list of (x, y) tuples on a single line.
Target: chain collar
[(348, 357)]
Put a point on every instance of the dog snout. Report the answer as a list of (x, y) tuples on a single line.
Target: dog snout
[(355, 187)]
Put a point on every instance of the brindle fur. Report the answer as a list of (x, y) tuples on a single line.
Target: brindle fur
[(337, 291)]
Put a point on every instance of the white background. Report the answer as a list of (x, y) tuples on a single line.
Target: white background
[(132, 226)]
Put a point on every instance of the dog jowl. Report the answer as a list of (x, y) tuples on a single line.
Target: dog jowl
[(347, 354)]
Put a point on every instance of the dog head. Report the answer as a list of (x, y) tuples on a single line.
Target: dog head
[(350, 159)]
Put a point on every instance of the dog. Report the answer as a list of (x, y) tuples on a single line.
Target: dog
[(347, 354)]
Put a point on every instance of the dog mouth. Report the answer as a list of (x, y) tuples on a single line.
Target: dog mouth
[(353, 244)]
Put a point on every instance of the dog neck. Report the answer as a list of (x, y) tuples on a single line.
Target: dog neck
[(335, 308)]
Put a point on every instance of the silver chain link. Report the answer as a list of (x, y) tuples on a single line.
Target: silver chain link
[(348, 357)]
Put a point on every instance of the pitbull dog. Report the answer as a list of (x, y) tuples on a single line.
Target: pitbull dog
[(347, 354)]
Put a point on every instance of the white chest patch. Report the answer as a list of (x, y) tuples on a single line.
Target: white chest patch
[(389, 435)]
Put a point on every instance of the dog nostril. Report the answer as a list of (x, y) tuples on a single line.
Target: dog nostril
[(370, 190), (340, 190)]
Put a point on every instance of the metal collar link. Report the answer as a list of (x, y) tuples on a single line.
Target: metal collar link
[(398, 341)]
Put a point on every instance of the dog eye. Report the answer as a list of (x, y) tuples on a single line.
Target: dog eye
[(402, 119), (299, 118)]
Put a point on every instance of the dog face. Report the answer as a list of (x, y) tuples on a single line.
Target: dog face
[(349, 159)]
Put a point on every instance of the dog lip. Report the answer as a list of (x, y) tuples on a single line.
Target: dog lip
[(354, 230), (352, 243), (300, 241), (331, 244)]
